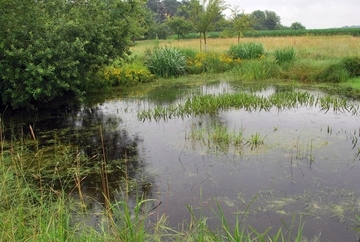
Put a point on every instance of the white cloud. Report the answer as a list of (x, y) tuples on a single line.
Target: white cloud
[(313, 14)]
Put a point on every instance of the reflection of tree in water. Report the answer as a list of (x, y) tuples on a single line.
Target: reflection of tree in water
[(70, 147), (96, 135), (100, 136)]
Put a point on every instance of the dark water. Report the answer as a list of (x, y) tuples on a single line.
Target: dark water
[(308, 166)]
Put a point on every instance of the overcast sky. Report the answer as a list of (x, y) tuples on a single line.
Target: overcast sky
[(313, 14)]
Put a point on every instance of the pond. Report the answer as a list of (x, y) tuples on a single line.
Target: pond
[(276, 165)]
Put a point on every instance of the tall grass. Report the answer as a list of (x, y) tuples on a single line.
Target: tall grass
[(246, 51), (285, 55), (166, 62)]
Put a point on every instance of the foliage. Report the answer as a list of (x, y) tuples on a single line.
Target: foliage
[(334, 73), (166, 62), (210, 62), (285, 55), (128, 74), (246, 51), (304, 32), (179, 26), (297, 26), (257, 70), (212, 104), (264, 20), (352, 65), (240, 22), (52, 47), (203, 13)]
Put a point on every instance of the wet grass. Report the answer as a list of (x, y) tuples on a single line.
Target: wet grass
[(210, 104)]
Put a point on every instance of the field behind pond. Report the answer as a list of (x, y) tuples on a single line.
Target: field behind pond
[(312, 47)]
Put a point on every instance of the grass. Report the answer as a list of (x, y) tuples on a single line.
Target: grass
[(211, 104), (308, 47), (306, 59), (255, 140), (285, 55)]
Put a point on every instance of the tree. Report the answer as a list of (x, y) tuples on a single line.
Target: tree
[(297, 26), (171, 6), (272, 20), (48, 48), (241, 22), (265, 20), (202, 14), (180, 26)]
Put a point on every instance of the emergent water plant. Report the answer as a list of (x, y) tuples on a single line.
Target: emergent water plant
[(210, 104)]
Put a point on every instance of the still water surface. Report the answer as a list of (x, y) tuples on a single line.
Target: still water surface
[(308, 165)]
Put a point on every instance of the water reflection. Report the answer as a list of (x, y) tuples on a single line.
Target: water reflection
[(308, 164)]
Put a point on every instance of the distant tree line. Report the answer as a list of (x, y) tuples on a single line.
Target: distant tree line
[(169, 17)]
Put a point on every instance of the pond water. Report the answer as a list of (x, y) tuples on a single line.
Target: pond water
[(306, 165)]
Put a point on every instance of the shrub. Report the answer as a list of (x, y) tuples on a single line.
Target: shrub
[(352, 65), (127, 74), (334, 73), (166, 62), (285, 55), (246, 51), (47, 51), (210, 62)]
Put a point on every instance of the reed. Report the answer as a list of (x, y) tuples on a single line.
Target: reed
[(210, 104), (285, 55), (166, 61)]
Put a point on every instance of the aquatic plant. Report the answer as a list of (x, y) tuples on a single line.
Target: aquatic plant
[(217, 137), (255, 140), (208, 104)]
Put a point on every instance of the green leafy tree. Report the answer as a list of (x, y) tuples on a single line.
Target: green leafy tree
[(180, 26), (241, 22), (297, 26), (48, 48), (171, 6), (265, 20), (203, 13)]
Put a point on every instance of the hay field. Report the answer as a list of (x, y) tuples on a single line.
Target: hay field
[(312, 47)]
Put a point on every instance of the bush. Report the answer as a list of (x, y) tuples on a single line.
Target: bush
[(49, 48), (352, 65), (166, 62), (334, 73), (210, 62), (127, 74), (246, 51), (285, 55)]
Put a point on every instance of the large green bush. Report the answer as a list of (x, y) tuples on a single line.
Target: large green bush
[(48, 48)]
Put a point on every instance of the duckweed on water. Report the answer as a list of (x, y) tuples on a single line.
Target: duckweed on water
[(209, 104)]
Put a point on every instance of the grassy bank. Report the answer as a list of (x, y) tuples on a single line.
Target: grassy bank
[(331, 63)]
